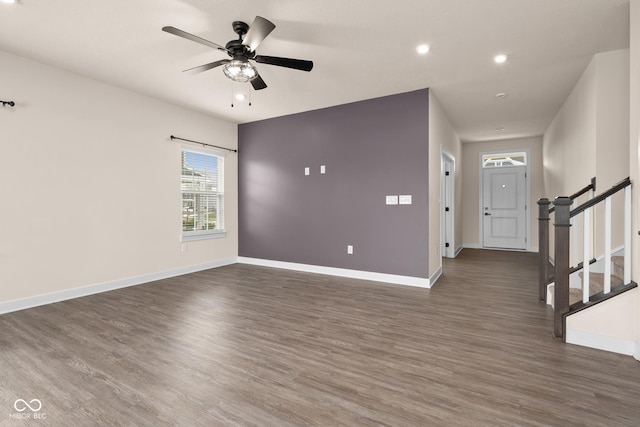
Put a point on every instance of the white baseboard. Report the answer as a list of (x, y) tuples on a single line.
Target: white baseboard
[(457, 252), (471, 245), (38, 300), (341, 272), (602, 342), (636, 355), (435, 276)]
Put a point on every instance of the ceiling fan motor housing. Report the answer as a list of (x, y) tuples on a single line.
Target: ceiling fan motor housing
[(240, 28)]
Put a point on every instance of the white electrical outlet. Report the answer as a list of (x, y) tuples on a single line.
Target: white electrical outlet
[(350, 249), (392, 200), (323, 169), (307, 171), (405, 199)]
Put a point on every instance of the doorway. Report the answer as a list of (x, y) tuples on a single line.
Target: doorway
[(447, 205), (504, 214)]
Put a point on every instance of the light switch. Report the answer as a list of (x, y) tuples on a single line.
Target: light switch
[(323, 169), (392, 200), (405, 199), (307, 171), (350, 249)]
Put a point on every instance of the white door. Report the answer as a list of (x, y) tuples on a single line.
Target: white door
[(504, 207), (447, 214)]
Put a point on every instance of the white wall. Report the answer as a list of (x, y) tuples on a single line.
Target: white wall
[(588, 137), (569, 142), (472, 234), (90, 183), (634, 152), (441, 134)]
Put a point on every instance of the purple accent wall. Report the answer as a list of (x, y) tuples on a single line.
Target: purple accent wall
[(371, 149)]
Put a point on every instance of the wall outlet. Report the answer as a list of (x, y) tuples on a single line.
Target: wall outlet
[(405, 199), (323, 169), (350, 249), (307, 171), (185, 248), (392, 200)]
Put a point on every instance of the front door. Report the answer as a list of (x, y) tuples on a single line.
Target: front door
[(504, 207)]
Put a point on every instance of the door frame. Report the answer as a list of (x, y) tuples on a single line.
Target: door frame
[(447, 192), (527, 185)]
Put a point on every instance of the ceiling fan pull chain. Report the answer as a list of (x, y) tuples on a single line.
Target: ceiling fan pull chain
[(232, 95)]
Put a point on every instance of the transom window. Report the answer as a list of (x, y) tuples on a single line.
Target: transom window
[(202, 188), (504, 159)]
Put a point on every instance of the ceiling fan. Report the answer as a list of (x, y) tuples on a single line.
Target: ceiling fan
[(238, 68)]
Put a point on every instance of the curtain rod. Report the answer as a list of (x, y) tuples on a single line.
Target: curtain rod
[(9, 103), (203, 144)]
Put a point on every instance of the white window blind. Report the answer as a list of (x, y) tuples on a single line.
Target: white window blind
[(202, 187)]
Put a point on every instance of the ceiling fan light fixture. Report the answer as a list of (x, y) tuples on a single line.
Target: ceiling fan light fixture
[(423, 49), (500, 59), (240, 71)]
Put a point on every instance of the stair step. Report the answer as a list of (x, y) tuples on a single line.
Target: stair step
[(617, 265), (575, 295), (596, 282)]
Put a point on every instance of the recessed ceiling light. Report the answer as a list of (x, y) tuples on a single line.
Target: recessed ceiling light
[(501, 95), (499, 59), (499, 129), (240, 97), (423, 48), (9, 1)]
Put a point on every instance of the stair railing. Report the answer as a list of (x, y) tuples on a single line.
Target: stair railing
[(545, 208), (563, 215)]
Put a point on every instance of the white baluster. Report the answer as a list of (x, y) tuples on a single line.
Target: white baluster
[(627, 235), (607, 245), (586, 267)]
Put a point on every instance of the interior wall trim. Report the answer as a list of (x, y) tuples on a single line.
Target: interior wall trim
[(603, 342), (38, 300), (341, 272), (435, 276)]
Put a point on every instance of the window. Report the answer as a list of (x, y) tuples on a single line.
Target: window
[(504, 159), (202, 188)]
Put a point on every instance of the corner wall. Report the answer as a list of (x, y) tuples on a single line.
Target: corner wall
[(590, 137), (442, 136), (370, 149), (91, 186)]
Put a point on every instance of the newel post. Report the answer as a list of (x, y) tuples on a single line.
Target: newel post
[(543, 246), (561, 258)]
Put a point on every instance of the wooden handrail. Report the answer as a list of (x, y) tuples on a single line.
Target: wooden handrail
[(591, 186), (600, 198)]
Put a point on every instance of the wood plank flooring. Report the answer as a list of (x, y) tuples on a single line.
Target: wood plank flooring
[(245, 345)]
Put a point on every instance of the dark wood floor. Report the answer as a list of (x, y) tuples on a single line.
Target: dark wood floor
[(246, 345)]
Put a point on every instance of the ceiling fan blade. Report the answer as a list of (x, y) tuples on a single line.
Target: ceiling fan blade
[(258, 83), (296, 64), (206, 67), (260, 28), (177, 32)]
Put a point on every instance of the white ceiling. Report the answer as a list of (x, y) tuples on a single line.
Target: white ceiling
[(361, 49)]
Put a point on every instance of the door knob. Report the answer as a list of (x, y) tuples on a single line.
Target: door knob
[(487, 214)]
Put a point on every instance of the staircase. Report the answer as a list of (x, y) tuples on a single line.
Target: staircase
[(573, 289), (596, 283)]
